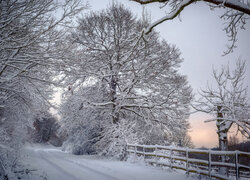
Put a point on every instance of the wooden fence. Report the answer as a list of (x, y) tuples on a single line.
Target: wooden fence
[(204, 162)]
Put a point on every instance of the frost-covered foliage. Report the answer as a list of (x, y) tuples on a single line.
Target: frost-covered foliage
[(235, 14), (28, 31), (123, 89), (16, 115), (91, 130)]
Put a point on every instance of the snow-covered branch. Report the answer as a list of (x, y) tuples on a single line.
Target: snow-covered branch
[(236, 14), (170, 16)]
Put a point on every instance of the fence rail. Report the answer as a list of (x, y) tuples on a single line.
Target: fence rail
[(184, 158)]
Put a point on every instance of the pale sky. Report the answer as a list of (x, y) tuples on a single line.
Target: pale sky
[(201, 40)]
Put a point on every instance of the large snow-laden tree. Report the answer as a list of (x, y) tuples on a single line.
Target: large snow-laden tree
[(28, 32), (236, 14), (133, 80), (228, 103)]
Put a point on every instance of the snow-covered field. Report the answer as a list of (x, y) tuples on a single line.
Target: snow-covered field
[(58, 165)]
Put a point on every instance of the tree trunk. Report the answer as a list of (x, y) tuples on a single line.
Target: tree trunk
[(2, 171), (223, 142), (113, 84)]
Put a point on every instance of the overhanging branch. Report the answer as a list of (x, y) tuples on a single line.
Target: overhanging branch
[(170, 16), (236, 5), (232, 4)]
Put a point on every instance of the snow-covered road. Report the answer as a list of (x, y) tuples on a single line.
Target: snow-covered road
[(58, 165)]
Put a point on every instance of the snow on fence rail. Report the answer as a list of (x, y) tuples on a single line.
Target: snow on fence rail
[(188, 160)]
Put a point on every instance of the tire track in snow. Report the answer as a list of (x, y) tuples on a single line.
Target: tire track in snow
[(58, 168), (104, 167), (104, 175)]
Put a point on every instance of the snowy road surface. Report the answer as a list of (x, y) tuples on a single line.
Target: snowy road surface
[(58, 165)]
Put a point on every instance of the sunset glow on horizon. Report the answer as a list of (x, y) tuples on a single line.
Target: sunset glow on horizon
[(203, 134)]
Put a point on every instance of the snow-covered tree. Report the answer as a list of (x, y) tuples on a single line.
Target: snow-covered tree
[(235, 15), (28, 32), (125, 81), (228, 103)]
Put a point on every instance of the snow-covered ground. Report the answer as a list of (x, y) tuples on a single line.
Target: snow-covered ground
[(58, 165)]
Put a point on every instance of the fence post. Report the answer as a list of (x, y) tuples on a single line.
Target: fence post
[(236, 165), (155, 152), (135, 148), (143, 148), (171, 151), (156, 157), (187, 161), (126, 153), (209, 163)]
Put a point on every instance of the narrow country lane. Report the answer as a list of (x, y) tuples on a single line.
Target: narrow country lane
[(58, 165)]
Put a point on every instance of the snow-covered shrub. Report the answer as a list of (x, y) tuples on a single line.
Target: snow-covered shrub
[(13, 125)]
